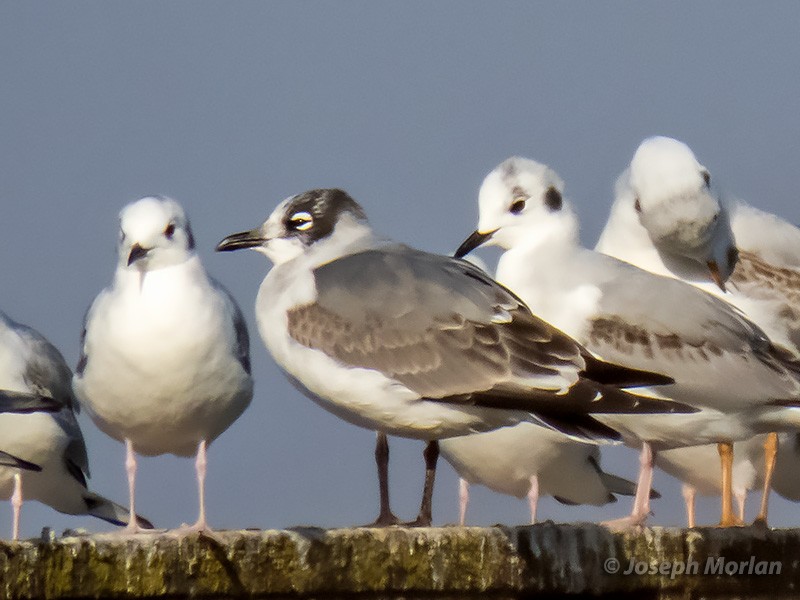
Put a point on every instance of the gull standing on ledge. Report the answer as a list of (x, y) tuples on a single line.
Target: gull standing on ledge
[(414, 344), (720, 361), (526, 460), (697, 468), (165, 364), (31, 366), (669, 218)]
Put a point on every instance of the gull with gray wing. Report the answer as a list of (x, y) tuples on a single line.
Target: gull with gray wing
[(414, 344), (32, 366), (720, 362), (669, 218), (165, 364)]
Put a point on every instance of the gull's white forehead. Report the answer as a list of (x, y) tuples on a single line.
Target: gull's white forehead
[(528, 175), (144, 216), (276, 217), (664, 165), (280, 211)]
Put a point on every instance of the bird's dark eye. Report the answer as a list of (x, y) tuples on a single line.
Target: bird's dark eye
[(517, 207), (170, 231), (707, 178), (637, 206)]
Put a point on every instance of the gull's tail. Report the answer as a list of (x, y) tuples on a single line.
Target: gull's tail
[(623, 487), (24, 403)]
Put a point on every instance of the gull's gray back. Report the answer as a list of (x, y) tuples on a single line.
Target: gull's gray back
[(438, 325)]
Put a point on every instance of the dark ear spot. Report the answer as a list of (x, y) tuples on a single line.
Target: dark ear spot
[(707, 178), (733, 255), (189, 236), (552, 199), (637, 206)]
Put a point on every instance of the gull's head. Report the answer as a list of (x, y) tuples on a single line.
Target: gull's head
[(316, 220), (677, 205), (154, 233), (519, 200)]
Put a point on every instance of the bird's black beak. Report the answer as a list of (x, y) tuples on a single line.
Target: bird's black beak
[(475, 239), (244, 239), (716, 276), (137, 252)]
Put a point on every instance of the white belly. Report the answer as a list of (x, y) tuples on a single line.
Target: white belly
[(160, 373)]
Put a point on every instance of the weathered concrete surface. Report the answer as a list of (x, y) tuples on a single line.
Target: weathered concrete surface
[(544, 560)]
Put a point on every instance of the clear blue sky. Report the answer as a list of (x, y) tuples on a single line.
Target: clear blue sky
[(231, 106)]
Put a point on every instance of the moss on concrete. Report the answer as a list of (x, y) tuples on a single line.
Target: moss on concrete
[(450, 562)]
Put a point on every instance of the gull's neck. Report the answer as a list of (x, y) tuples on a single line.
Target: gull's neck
[(350, 236), (541, 253), (189, 269), (625, 238), (555, 236), (552, 274)]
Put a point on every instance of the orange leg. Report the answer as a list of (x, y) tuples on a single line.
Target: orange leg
[(726, 459), (770, 456)]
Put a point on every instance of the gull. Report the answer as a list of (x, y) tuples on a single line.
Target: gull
[(669, 218), (165, 364), (31, 366), (720, 362), (528, 461), (696, 467), (408, 343)]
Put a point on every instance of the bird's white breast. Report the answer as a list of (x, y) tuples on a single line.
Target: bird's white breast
[(364, 397), (160, 370)]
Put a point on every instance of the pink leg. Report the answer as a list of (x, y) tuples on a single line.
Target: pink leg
[(201, 466), (641, 502), (740, 495), (463, 500), (689, 494), (16, 504), (130, 469), (201, 526), (533, 497)]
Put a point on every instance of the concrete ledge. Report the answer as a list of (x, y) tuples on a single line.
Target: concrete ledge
[(545, 560)]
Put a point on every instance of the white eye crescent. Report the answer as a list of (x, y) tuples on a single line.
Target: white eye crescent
[(301, 221)]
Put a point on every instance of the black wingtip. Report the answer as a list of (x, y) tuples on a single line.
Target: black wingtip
[(143, 523), (21, 402), (615, 401), (9, 460), (581, 427), (612, 374)]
